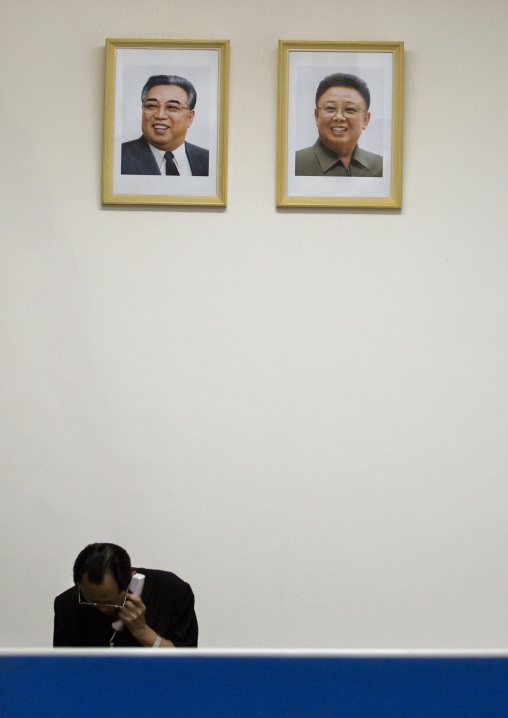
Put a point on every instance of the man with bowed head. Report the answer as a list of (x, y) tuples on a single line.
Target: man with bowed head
[(162, 616), (168, 103), (341, 114)]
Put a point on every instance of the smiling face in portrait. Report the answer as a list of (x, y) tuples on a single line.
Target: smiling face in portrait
[(340, 130), (166, 117)]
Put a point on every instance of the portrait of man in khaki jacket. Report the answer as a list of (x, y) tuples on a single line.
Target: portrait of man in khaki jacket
[(341, 114)]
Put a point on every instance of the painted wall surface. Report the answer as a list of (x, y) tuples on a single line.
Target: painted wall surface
[(302, 413)]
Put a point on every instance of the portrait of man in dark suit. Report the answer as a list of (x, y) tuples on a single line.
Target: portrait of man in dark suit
[(342, 114), (167, 103)]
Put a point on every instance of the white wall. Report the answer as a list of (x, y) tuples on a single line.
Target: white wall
[(302, 413)]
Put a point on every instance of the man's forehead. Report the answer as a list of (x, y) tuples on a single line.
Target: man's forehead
[(108, 585), (344, 94), (167, 93)]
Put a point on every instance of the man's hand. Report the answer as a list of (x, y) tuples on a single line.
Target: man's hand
[(133, 615)]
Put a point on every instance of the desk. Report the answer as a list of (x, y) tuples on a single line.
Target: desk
[(71, 683)]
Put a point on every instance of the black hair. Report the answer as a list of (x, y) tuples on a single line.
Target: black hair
[(97, 559), (343, 79), (186, 85)]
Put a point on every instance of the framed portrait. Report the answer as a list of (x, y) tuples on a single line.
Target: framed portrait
[(339, 133), (165, 122)]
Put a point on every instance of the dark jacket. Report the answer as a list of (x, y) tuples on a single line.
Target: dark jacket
[(138, 158)]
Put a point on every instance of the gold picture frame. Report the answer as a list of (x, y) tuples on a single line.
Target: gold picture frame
[(373, 177), (134, 170)]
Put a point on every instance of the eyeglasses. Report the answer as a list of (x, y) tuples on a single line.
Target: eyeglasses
[(329, 109), (150, 108), (100, 605)]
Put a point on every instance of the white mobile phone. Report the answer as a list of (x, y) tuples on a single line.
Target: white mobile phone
[(135, 587)]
